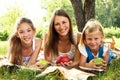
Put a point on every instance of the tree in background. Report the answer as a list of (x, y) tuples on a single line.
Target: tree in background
[(106, 11), (83, 12)]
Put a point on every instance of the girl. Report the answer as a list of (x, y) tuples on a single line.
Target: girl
[(60, 40), (91, 45), (23, 46)]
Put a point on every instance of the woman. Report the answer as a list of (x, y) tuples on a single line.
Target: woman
[(60, 40)]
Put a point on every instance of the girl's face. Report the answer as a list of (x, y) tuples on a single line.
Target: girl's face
[(61, 25), (94, 40), (25, 33)]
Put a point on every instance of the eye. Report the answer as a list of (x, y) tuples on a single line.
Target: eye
[(29, 30), (96, 38), (89, 39), (56, 24), (64, 22), (20, 32)]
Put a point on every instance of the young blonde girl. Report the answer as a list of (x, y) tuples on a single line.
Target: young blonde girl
[(23, 46), (91, 45)]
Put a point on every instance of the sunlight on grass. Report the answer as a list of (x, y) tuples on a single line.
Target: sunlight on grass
[(3, 47), (117, 41)]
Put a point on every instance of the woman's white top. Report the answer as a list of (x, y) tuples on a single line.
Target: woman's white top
[(70, 53)]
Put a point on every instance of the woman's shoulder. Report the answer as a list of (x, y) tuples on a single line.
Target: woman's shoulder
[(78, 36)]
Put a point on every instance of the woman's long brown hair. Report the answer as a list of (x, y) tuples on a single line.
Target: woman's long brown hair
[(52, 40)]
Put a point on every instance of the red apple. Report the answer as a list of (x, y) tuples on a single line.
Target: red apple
[(63, 58)]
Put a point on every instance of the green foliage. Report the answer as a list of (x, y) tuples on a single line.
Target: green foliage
[(55, 4), (3, 47), (113, 31), (4, 35), (7, 21), (107, 12), (39, 34), (41, 30)]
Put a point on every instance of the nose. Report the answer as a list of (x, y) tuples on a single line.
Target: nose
[(25, 34), (92, 41), (61, 26)]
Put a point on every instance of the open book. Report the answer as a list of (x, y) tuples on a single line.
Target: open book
[(90, 69), (69, 74)]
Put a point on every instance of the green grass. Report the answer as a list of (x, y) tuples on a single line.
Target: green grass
[(111, 73), (13, 72), (18, 73)]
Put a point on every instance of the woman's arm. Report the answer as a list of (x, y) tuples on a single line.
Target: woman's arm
[(76, 60), (77, 52), (38, 44)]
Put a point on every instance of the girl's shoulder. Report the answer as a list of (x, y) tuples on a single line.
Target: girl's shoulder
[(37, 41)]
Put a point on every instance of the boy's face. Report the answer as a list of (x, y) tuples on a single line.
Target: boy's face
[(93, 40), (25, 33)]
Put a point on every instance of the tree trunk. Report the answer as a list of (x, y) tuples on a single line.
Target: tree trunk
[(79, 14), (82, 15), (89, 7)]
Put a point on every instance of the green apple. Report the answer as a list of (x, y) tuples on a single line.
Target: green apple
[(98, 61), (44, 62)]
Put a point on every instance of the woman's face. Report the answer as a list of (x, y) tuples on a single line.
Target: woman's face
[(25, 33), (61, 25), (93, 40)]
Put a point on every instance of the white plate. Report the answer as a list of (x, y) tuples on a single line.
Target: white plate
[(90, 69)]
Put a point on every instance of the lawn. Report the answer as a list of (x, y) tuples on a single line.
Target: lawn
[(111, 73), (21, 73)]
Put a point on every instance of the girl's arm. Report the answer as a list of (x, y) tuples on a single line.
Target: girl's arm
[(38, 44), (83, 62), (47, 54), (106, 57)]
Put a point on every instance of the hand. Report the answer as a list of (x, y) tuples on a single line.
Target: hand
[(64, 63), (104, 66), (93, 65)]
